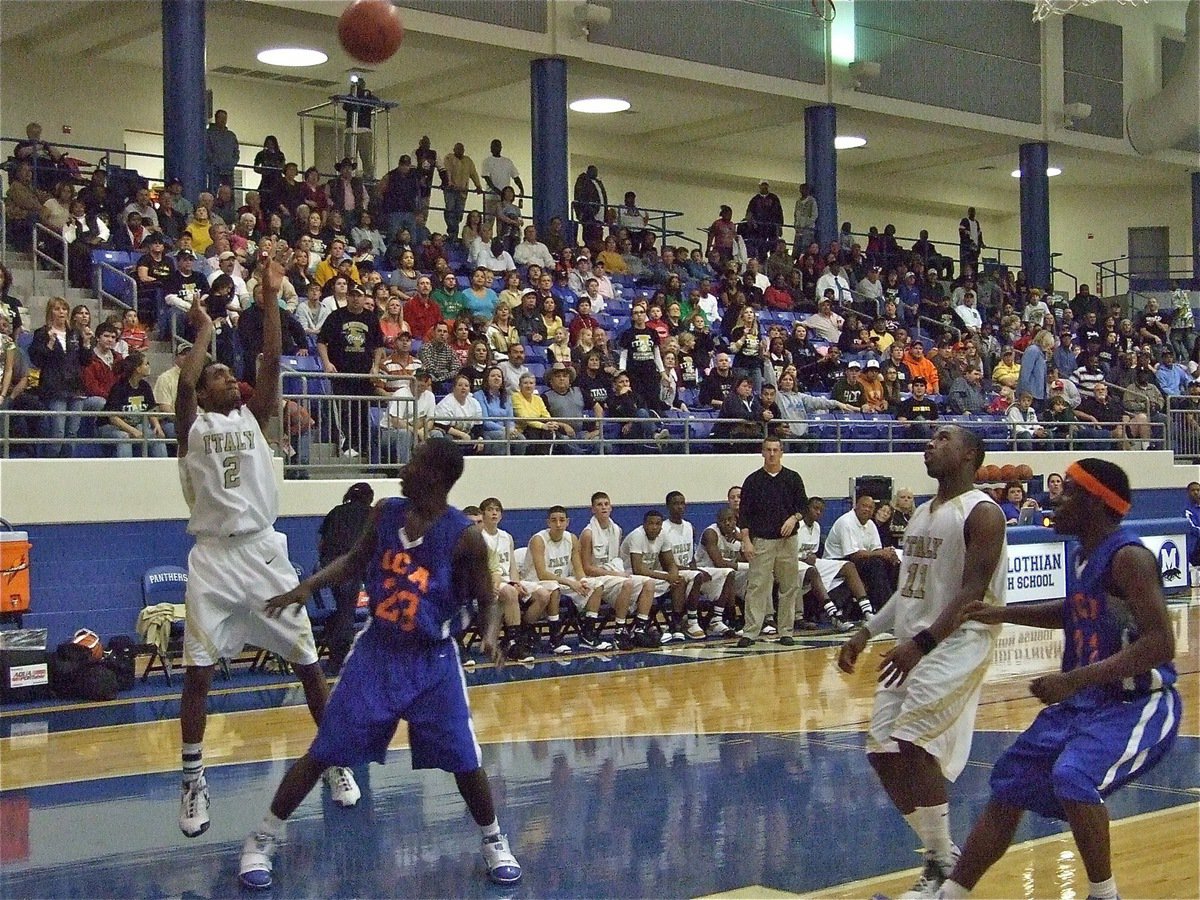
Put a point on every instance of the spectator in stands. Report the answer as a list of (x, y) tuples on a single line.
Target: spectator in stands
[(154, 271), (533, 417), (804, 218), (508, 219), (501, 334), (461, 341), (764, 221), (970, 242), (56, 209), (437, 358), (915, 413), (144, 207), (569, 409), (848, 389), (131, 393), (854, 537), (641, 358), (498, 172), (722, 234), (1172, 377), (493, 257), (459, 417), (60, 352), (500, 432), (1007, 372), (221, 151), (199, 229), (920, 366), (1014, 497), (1024, 421), (1087, 374), (22, 207), (531, 250), (1033, 375), (83, 233), (1064, 356), (48, 159), (590, 200), (99, 375), (1104, 419), (476, 364), (825, 323), (871, 381), (1143, 397), (968, 313), (965, 396)]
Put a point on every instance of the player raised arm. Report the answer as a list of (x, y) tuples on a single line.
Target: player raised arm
[(347, 567), (272, 262), (190, 371)]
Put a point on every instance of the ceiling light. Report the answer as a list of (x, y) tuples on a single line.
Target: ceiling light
[(597, 105), (292, 57), (1051, 171), (848, 142)]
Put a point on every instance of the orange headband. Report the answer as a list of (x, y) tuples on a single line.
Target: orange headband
[(1101, 492)]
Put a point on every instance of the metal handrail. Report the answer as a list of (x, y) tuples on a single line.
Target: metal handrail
[(98, 270), (1109, 269), (60, 265)]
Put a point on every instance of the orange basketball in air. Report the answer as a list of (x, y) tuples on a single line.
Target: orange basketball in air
[(1008, 473), (370, 30), (1024, 472)]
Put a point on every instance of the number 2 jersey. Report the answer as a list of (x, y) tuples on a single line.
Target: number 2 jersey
[(1097, 624), (933, 564), (228, 476), (414, 596)]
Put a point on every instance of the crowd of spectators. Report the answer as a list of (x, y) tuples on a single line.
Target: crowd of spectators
[(626, 345)]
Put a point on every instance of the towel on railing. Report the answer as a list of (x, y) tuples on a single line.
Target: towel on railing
[(154, 624)]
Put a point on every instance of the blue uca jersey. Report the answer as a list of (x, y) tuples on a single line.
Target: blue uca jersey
[(411, 583), (1098, 624)]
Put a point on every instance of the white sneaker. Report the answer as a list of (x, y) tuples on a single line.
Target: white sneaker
[(348, 453), (769, 629), (254, 869), (932, 877), (562, 648), (193, 808), (717, 628), (666, 637), (694, 631), (342, 786), (502, 866)]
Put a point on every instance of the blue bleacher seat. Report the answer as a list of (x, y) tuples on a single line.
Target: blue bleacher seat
[(538, 370), (535, 353)]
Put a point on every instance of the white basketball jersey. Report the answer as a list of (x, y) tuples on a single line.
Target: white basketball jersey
[(808, 537), (730, 551), (558, 556), (681, 541), (228, 476), (637, 543), (931, 573), (606, 545), (501, 544)]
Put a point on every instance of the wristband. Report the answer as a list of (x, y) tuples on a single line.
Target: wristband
[(925, 641)]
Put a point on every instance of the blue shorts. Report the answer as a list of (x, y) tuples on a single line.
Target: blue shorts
[(1082, 755), (383, 682)]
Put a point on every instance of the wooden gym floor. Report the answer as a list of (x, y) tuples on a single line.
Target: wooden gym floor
[(692, 771)]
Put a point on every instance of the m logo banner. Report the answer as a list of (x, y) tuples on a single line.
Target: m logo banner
[(1172, 559)]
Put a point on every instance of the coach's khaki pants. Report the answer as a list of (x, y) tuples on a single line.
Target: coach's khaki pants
[(774, 561)]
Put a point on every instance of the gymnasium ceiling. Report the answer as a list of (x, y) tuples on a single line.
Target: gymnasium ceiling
[(442, 75)]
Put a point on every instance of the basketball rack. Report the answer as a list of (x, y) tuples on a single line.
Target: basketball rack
[(333, 112)]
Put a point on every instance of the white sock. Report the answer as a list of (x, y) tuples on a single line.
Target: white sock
[(1103, 890), (271, 824), (193, 762), (490, 831), (933, 827), (952, 890)]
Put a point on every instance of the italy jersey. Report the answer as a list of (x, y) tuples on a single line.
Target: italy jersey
[(1098, 624), (228, 476), (413, 594)]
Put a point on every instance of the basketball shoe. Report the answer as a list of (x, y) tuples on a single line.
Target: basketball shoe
[(342, 786), (254, 869), (717, 628), (193, 808), (932, 877), (589, 636), (502, 866)]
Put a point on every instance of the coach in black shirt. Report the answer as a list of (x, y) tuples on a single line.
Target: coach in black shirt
[(773, 500), (338, 533)]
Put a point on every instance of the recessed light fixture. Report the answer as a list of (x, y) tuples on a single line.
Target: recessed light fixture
[(292, 57), (600, 105), (848, 142), (1051, 171)]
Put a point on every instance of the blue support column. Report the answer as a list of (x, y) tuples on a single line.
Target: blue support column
[(548, 122), (1196, 230), (184, 114), (1035, 214), (820, 168)]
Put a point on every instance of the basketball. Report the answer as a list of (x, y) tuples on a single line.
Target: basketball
[(1008, 473), (981, 475), (991, 474), (370, 30), (1024, 472)]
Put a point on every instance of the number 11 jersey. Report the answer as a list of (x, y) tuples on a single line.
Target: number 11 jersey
[(932, 568)]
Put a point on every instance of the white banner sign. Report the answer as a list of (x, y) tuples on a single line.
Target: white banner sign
[(1171, 550), (1037, 572)]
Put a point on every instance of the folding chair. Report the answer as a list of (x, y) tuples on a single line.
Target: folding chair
[(165, 584)]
